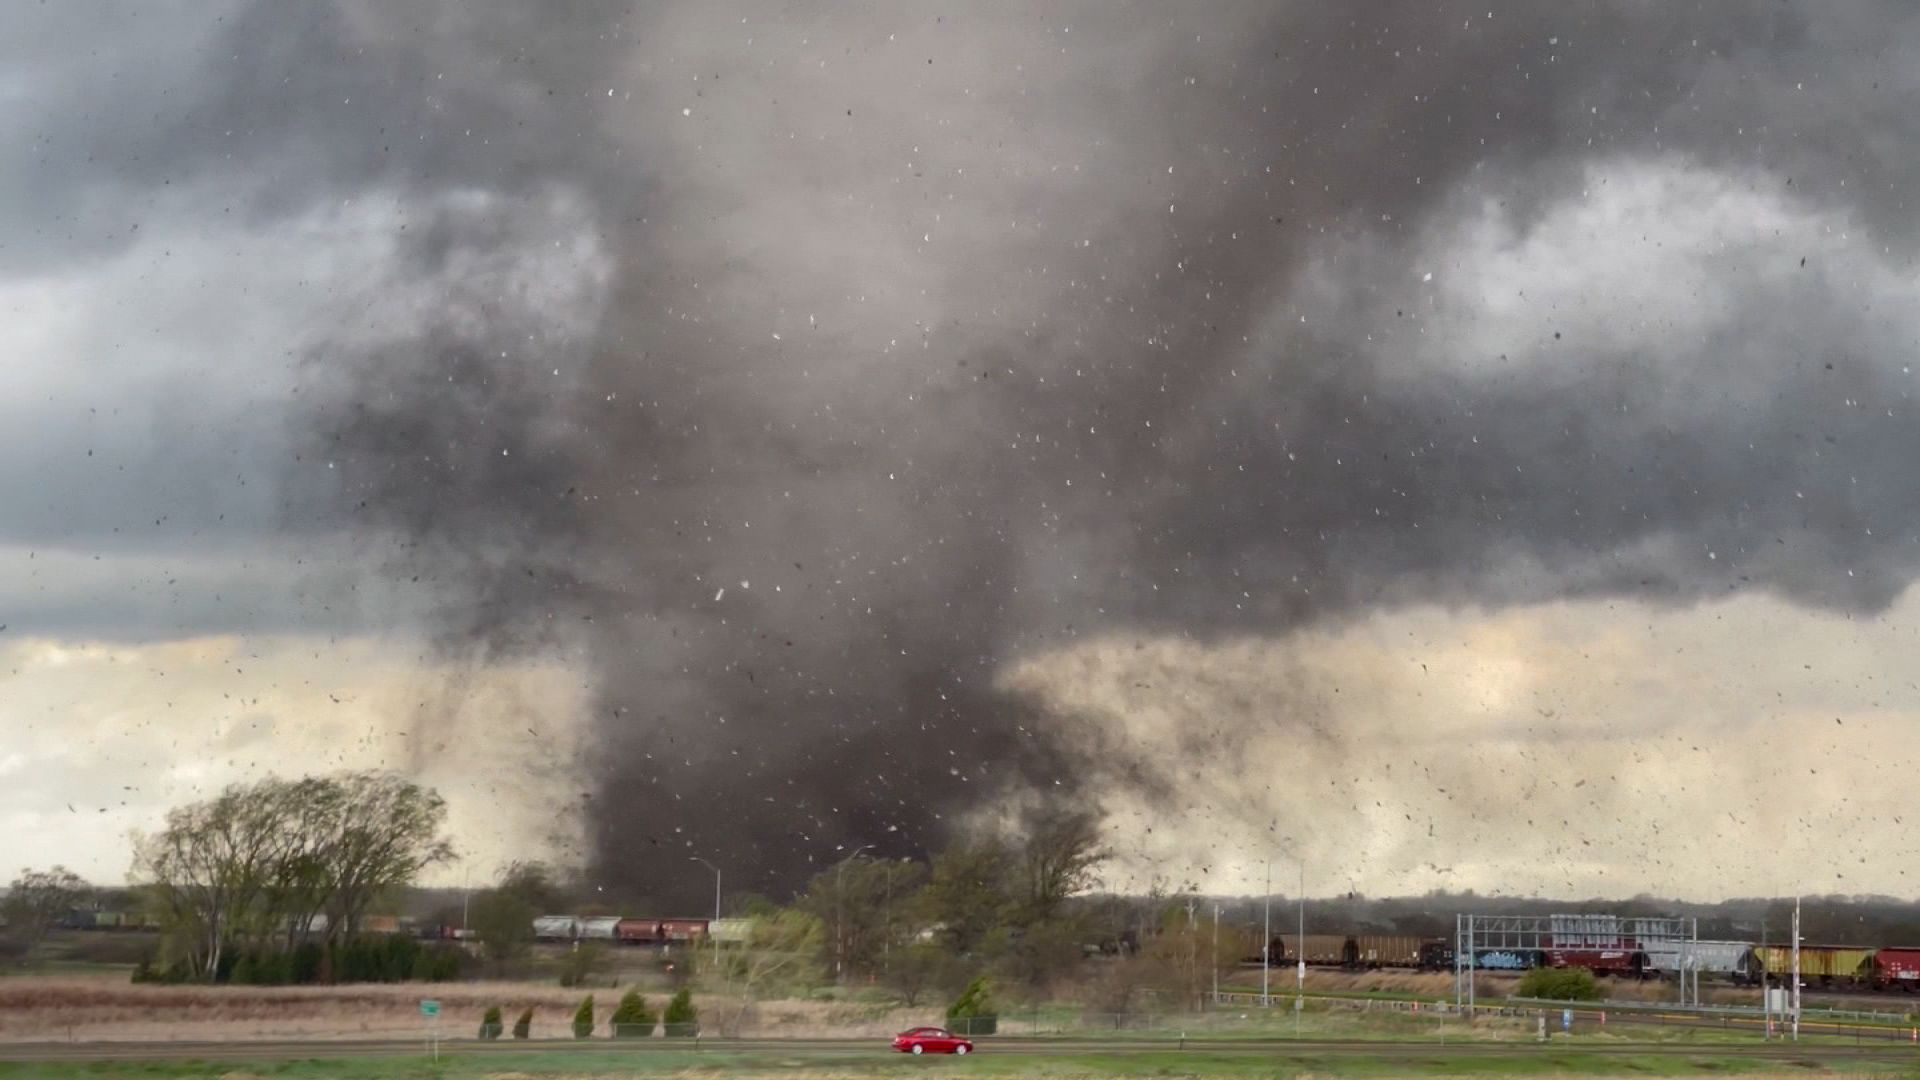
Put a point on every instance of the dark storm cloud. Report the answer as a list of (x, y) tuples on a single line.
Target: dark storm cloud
[(902, 342)]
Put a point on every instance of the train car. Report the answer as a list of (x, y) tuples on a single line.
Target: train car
[(682, 930), (1623, 963), (1319, 950), (638, 932), (1383, 951), (555, 928), (597, 927), (1820, 965), (731, 930), (1722, 959), (1896, 967), (1436, 954), (1509, 959)]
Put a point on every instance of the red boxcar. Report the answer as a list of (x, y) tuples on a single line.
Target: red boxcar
[(1897, 968), (683, 929), (638, 932), (1629, 962)]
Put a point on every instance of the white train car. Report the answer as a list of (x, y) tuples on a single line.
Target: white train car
[(556, 928), (1729, 959)]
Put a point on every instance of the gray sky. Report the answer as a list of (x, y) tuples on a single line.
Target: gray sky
[(755, 432)]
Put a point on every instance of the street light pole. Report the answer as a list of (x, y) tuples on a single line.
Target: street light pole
[(716, 911), (1266, 935), (1300, 966)]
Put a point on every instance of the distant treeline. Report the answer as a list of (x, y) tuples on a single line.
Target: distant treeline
[(384, 958)]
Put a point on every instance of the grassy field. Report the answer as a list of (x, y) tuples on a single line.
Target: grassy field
[(882, 1066), (109, 1008)]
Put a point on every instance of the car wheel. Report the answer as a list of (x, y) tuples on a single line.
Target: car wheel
[(960, 1049), (918, 1049)]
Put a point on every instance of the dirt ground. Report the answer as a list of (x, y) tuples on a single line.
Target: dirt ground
[(108, 1007)]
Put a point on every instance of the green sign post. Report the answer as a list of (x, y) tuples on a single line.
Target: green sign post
[(430, 1010)]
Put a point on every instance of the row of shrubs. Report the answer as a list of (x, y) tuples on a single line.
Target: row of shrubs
[(632, 1019), (386, 959)]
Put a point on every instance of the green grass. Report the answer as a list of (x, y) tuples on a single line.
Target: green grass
[(880, 1065)]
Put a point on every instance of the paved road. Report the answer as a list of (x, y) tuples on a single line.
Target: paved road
[(788, 1048)]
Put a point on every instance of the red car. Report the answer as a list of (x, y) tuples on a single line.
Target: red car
[(931, 1040)]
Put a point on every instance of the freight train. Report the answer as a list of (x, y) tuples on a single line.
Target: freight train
[(1357, 952), (1743, 963), (625, 931)]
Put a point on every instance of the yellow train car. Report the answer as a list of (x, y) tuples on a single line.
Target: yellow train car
[(1820, 965)]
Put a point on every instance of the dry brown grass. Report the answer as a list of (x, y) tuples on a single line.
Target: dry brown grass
[(110, 1008)]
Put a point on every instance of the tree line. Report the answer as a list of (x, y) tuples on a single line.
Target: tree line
[(274, 878), (1009, 914)]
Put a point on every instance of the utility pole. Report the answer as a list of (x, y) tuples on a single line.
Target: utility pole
[(716, 910), (1266, 936)]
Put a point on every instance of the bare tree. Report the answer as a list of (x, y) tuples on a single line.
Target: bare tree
[(967, 893), (37, 900), (777, 947), (863, 905), (1058, 859), (504, 914), (920, 969), (210, 867), (383, 831), (255, 864)]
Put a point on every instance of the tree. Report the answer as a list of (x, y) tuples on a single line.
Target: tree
[(523, 1027), (916, 970), (862, 904), (973, 1012), (36, 901), (1042, 953), (383, 831), (681, 1021), (503, 915), (1058, 859), (253, 866), (583, 1018), (966, 893), (632, 1019), (1558, 984), (490, 1023), (580, 964), (779, 946), (1182, 960), (210, 869)]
